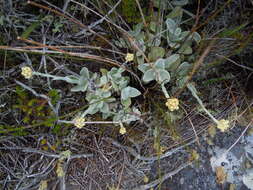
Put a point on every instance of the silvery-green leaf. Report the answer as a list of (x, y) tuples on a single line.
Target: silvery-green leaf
[(82, 87), (105, 108), (105, 94), (183, 69), (181, 81), (122, 84), (82, 80), (106, 115), (159, 64), (163, 76), (76, 88), (150, 42), (126, 103), (174, 38), (85, 72), (171, 25), (184, 35), (144, 67), (156, 53), (137, 30), (92, 109), (138, 27), (118, 116), (94, 76), (129, 92), (100, 105), (176, 14), (173, 45), (120, 70), (71, 79), (180, 2), (115, 86), (185, 49), (140, 60), (142, 45), (196, 37), (152, 26), (138, 53), (177, 32), (103, 80), (171, 60), (149, 75), (140, 36), (90, 96)]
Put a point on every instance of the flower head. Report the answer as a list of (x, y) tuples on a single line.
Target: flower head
[(122, 130), (27, 72), (79, 122), (129, 57), (223, 125), (172, 104)]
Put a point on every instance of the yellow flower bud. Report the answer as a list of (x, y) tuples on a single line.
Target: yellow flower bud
[(79, 122), (223, 125), (172, 104), (27, 72), (122, 130), (129, 57)]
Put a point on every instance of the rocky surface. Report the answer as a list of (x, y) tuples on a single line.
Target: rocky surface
[(203, 174)]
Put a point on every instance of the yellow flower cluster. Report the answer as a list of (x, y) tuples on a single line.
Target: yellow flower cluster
[(172, 104), (79, 122), (122, 130), (27, 72), (223, 125), (129, 57)]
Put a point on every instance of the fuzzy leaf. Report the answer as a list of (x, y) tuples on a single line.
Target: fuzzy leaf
[(159, 64), (181, 81), (163, 76), (126, 102), (85, 73), (176, 14), (149, 75), (140, 60), (70, 79), (183, 69), (143, 67), (152, 26), (177, 32), (171, 25), (103, 80), (196, 37), (105, 108), (185, 49), (156, 53), (81, 87), (171, 60), (129, 92)]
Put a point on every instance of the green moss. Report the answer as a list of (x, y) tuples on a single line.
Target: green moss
[(130, 11), (32, 109)]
